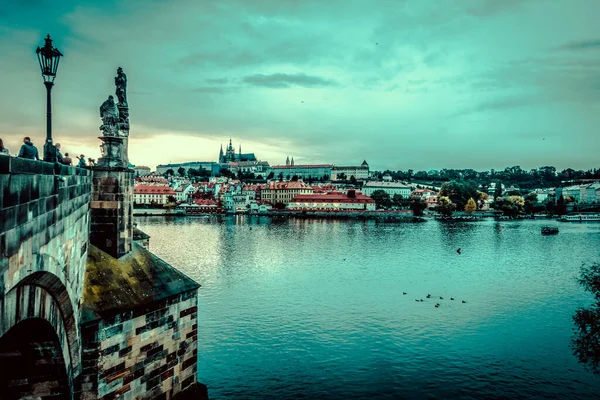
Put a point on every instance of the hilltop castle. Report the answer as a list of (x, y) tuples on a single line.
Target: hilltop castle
[(231, 156)]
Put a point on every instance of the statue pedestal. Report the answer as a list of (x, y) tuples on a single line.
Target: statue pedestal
[(112, 152), (124, 130)]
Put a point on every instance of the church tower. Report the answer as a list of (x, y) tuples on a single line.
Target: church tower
[(292, 160), (287, 161), (221, 160), (230, 153)]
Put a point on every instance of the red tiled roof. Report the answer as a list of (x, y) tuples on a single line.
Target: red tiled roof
[(153, 189), (288, 185), (205, 202)]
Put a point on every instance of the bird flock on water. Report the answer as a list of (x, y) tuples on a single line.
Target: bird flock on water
[(437, 305), (430, 297)]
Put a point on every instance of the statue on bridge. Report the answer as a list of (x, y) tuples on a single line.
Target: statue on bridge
[(115, 126), (121, 91), (110, 117), (121, 84)]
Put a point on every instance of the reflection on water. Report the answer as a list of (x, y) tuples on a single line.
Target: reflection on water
[(314, 308)]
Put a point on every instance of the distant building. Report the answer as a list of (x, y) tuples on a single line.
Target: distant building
[(390, 188), (424, 193), (593, 193), (151, 180), (184, 192), (303, 171), (360, 172), (255, 167), (334, 201), (387, 178), (577, 192), (141, 170), (152, 194), (283, 192), (231, 156)]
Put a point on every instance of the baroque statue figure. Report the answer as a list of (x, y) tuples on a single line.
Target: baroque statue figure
[(110, 117), (121, 84)]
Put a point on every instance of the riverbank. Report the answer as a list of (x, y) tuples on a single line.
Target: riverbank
[(158, 211)]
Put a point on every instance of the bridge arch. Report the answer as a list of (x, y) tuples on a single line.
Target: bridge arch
[(42, 296), (32, 363)]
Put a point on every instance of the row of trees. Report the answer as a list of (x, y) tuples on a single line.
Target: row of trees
[(464, 196), (384, 201), (542, 177)]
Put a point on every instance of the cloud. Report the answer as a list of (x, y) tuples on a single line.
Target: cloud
[(580, 45), (371, 77), (499, 104), (214, 89), (286, 80), (217, 81)]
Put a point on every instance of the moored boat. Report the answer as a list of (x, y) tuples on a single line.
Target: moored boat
[(591, 217), (549, 230)]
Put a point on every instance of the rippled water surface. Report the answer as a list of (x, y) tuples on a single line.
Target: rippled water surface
[(314, 309)]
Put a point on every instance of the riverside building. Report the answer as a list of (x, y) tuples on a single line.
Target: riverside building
[(360, 172), (334, 201), (283, 192), (390, 188)]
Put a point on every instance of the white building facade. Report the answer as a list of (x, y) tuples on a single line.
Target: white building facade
[(390, 188)]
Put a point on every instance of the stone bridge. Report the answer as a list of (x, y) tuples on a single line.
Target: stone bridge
[(44, 234)]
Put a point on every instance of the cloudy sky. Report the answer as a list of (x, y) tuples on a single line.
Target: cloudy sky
[(418, 84)]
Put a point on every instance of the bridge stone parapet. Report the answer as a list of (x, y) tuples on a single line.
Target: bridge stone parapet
[(44, 234)]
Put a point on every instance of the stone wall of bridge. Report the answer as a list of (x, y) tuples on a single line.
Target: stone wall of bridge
[(44, 234)]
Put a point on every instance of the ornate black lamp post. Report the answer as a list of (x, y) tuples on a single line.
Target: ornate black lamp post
[(48, 57)]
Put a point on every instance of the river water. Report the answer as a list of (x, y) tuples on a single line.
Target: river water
[(315, 309)]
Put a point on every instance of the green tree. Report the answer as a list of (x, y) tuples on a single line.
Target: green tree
[(171, 199), (561, 206), (280, 176), (382, 199), (459, 192), (482, 198), (510, 206), (549, 206), (181, 171), (169, 172), (271, 175), (498, 190), (353, 180), (341, 177), (279, 206), (226, 173), (530, 203), (417, 205), (399, 201), (295, 178), (445, 206), (585, 342), (471, 206)]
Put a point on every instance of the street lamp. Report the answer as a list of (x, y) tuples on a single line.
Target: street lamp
[(48, 57)]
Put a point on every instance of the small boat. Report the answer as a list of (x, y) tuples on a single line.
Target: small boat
[(549, 230)]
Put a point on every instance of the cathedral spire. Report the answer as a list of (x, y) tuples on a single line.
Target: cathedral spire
[(240, 149), (292, 160), (287, 161)]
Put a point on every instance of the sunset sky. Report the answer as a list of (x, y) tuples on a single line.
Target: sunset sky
[(417, 84)]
